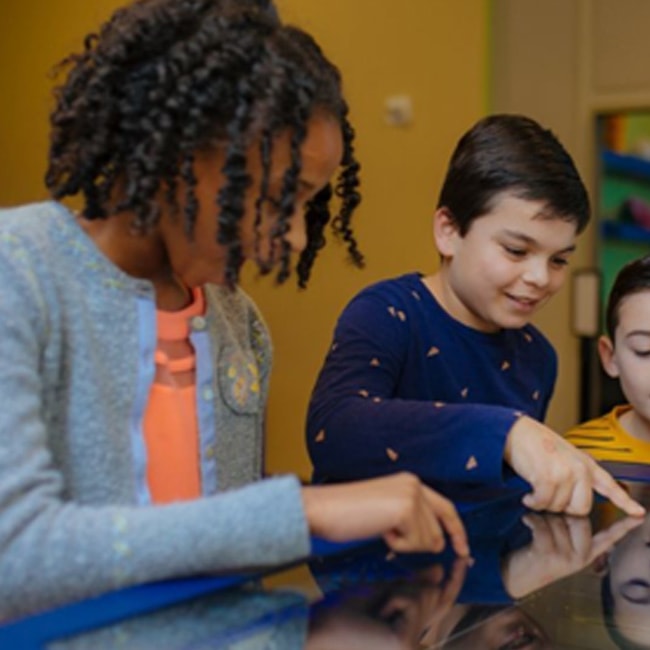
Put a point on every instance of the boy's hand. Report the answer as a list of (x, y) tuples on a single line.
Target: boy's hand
[(562, 476), (406, 513), (560, 546)]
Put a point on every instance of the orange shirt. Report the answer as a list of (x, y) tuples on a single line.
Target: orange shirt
[(170, 423)]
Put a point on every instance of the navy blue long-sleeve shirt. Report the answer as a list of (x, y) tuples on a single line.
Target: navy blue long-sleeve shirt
[(407, 387)]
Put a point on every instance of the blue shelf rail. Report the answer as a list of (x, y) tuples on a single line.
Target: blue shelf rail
[(626, 165), (624, 231)]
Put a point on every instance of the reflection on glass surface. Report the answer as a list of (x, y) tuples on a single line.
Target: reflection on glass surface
[(625, 590), (397, 613), (451, 603), (422, 613), (493, 629), (534, 582)]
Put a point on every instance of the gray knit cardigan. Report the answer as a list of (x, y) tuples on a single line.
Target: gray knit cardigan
[(71, 523)]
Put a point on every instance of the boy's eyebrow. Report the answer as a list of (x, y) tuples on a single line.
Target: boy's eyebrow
[(531, 240)]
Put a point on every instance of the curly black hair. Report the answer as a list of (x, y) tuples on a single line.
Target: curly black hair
[(166, 78)]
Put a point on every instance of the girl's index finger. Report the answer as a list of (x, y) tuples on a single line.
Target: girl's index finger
[(450, 520)]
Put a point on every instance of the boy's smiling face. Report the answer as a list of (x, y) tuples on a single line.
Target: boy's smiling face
[(509, 263)]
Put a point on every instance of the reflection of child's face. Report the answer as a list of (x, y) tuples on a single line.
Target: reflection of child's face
[(512, 628), (629, 357), (629, 571)]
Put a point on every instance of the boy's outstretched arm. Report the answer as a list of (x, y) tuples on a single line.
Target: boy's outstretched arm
[(563, 478), (359, 428)]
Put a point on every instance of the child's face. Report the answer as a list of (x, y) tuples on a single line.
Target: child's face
[(509, 263), (629, 356), (510, 628), (202, 259), (629, 571)]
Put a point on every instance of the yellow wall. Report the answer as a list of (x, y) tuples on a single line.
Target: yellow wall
[(34, 36), (433, 50)]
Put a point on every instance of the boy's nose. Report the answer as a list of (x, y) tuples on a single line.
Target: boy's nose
[(536, 273)]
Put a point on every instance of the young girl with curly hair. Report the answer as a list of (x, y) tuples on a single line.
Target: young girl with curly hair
[(199, 134)]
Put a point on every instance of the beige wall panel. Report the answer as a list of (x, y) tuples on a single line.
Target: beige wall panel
[(534, 61), (536, 68), (619, 45)]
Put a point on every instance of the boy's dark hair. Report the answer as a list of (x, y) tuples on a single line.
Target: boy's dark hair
[(512, 153), (164, 78), (632, 278)]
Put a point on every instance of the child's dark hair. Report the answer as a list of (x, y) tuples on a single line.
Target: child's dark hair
[(632, 278), (512, 153), (164, 78)]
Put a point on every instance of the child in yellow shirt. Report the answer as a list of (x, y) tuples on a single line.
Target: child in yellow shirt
[(624, 433)]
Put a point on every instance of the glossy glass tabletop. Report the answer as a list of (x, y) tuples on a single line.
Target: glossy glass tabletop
[(534, 581)]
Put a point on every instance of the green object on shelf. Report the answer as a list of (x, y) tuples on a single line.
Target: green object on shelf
[(624, 185)]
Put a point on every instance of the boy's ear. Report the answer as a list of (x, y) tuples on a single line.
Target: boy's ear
[(608, 356), (445, 232)]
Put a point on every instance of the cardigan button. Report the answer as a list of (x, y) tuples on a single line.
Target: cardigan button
[(198, 323)]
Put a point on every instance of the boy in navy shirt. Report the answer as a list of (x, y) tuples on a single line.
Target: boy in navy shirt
[(443, 375)]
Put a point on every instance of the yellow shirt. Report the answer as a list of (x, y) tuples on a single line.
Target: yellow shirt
[(605, 439)]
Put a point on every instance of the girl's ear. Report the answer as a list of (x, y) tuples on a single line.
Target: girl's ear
[(608, 356), (445, 232)]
